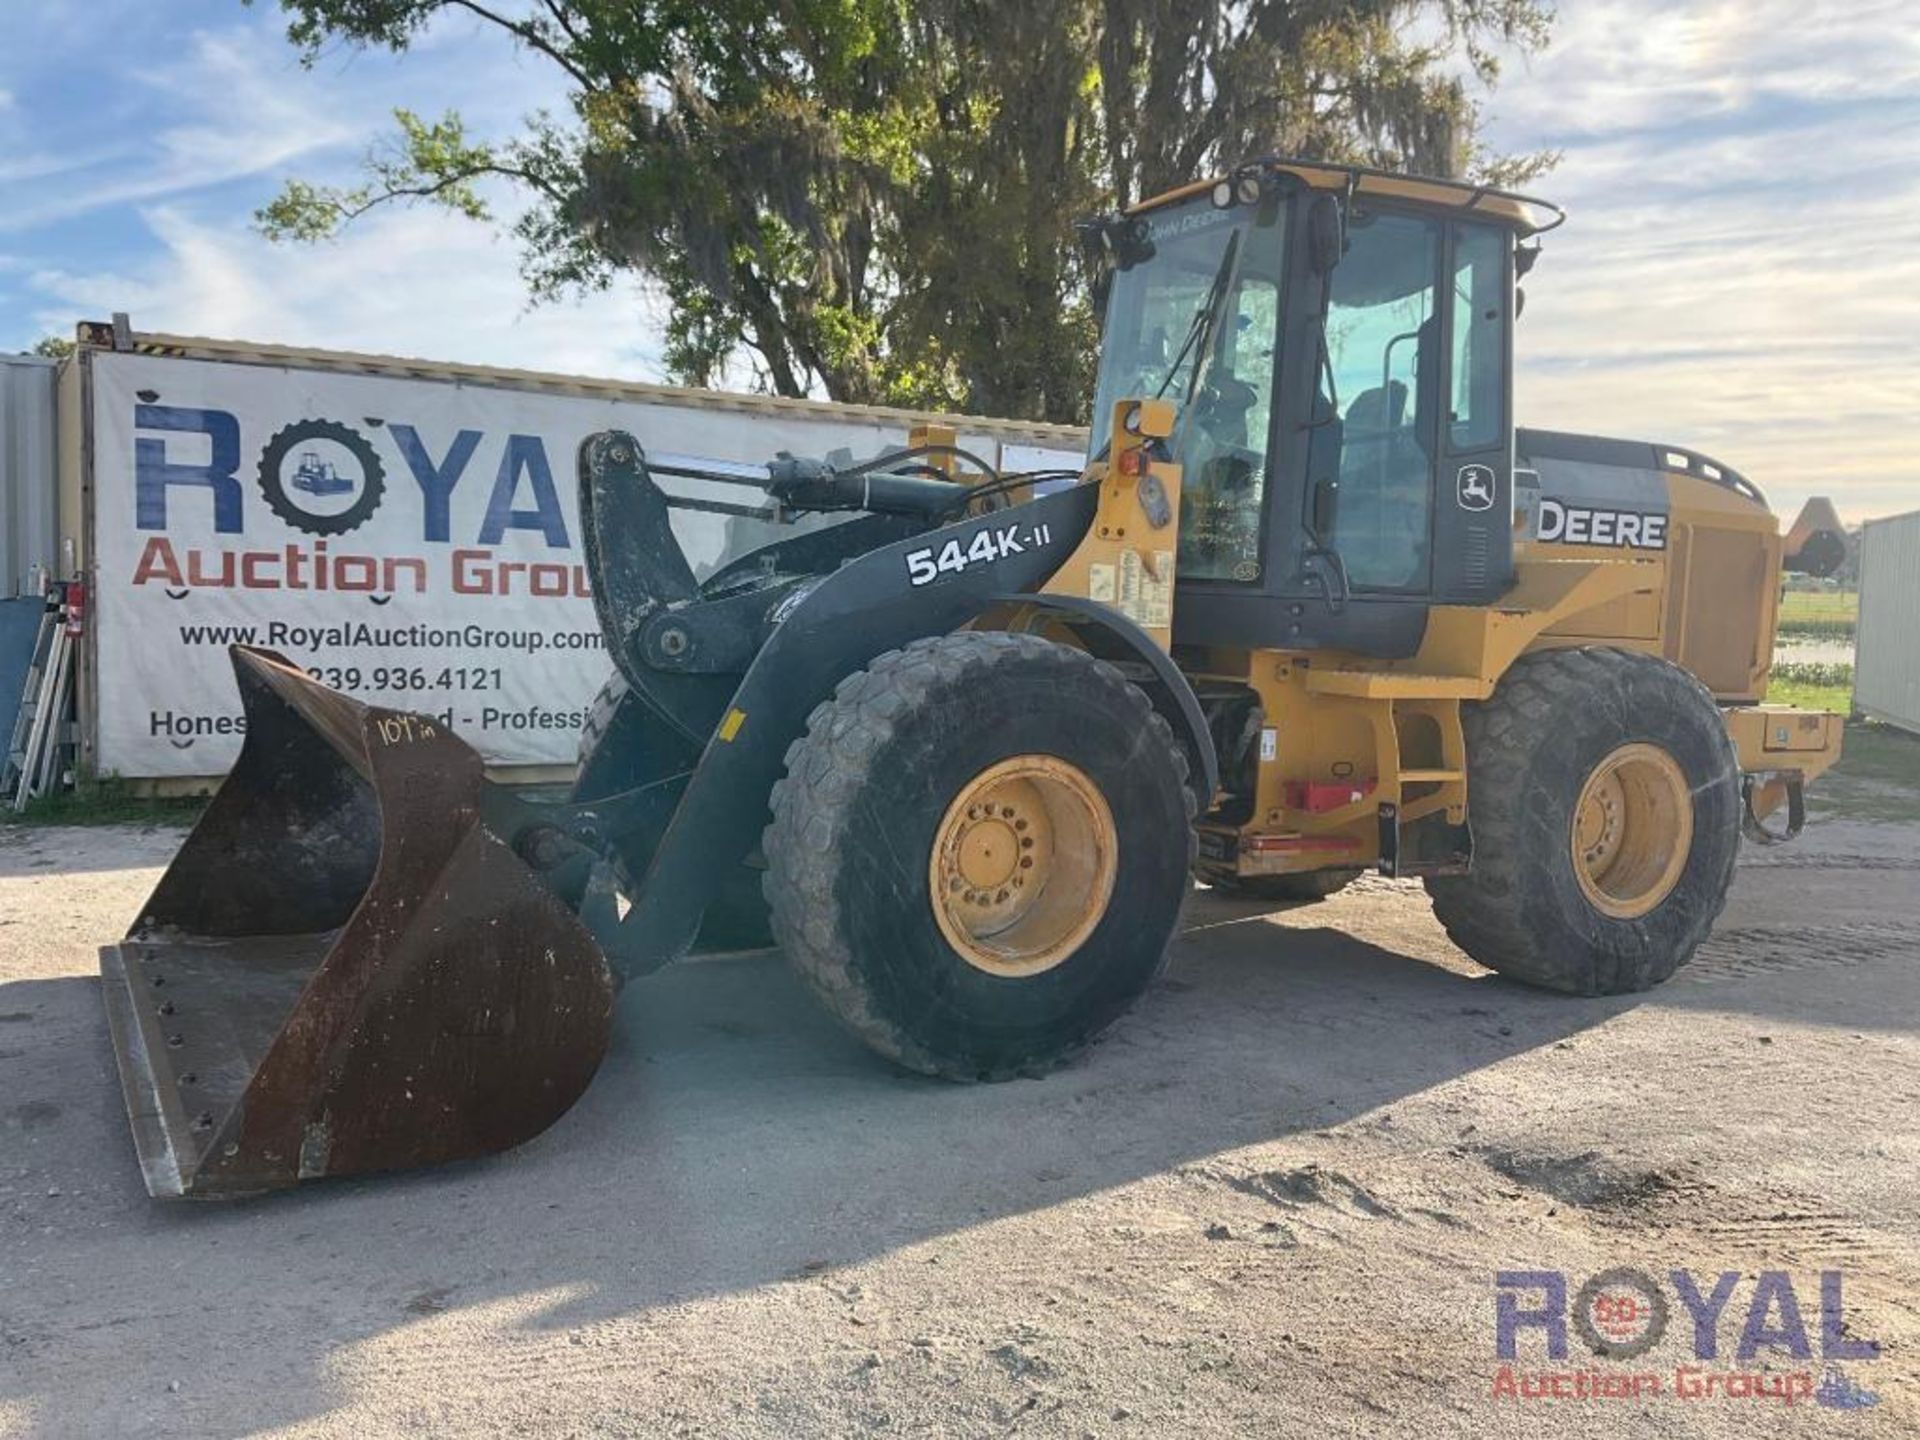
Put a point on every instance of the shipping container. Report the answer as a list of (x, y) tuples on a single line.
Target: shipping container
[(1886, 683), (405, 530), (29, 474)]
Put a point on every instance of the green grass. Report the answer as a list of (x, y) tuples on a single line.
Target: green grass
[(106, 800), (1808, 696), (1820, 605), (1807, 629), (1819, 614)]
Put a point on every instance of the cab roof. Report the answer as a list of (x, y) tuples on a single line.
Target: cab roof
[(1527, 214)]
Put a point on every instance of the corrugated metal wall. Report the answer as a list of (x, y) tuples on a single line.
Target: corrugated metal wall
[(28, 493), (1886, 681)]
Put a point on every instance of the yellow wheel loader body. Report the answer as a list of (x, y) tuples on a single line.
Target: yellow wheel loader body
[(1313, 606)]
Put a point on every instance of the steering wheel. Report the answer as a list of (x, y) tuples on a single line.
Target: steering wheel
[(1221, 408)]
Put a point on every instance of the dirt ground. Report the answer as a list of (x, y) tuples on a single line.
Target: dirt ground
[(1274, 1201)]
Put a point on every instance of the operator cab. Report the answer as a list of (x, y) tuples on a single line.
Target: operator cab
[(1338, 343)]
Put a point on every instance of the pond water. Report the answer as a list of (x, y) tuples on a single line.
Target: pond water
[(1800, 650)]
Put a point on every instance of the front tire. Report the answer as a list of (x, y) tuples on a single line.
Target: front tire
[(980, 851), (1604, 795)]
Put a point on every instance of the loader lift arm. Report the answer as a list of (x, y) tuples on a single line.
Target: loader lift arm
[(802, 635)]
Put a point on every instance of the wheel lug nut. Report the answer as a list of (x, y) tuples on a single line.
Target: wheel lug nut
[(1026, 862)]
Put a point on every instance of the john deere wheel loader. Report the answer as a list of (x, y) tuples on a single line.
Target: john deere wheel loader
[(1314, 608)]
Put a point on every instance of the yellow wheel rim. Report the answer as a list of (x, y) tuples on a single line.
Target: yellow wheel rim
[(1632, 831), (1023, 865)]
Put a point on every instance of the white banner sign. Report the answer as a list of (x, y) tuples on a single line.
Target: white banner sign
[(415, 543)]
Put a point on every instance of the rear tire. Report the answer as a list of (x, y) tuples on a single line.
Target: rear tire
[(1589, 771), (886, 847), (1302, 889)]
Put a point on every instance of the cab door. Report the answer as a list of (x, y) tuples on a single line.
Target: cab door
[(1379, 402), (1390, 446), (1473, 483), (1419, 334), (1346, 554)]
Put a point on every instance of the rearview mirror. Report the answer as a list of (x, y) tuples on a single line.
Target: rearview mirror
[(1102, 288)]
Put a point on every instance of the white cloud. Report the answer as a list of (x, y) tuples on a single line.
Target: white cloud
[(228, 117), (1640, 64), (236, 103), (1741, 272), (415, 283)]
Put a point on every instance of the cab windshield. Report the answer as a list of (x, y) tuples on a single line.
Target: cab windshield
[(1218, 370)]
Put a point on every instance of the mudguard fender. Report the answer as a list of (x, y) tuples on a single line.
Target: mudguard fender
[(877, 602), (1113, 636)]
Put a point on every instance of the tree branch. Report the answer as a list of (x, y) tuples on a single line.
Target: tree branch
[(351, 212), (559, 13), (531, 38)]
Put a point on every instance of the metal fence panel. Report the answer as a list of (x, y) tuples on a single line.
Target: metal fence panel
[(1886, 683), (28, 472)]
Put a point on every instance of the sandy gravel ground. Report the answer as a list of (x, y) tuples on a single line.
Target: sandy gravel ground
[(1273, 1202)]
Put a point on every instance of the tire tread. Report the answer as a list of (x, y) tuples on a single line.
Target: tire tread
[(1483, 911), (826, 769)]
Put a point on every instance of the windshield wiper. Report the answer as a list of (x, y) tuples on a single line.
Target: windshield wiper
[(1205, 320)]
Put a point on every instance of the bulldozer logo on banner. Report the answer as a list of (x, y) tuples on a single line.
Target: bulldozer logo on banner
[(321, 477)]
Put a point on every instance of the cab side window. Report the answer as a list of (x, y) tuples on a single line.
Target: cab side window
[(1383, 345), (1479, 278)]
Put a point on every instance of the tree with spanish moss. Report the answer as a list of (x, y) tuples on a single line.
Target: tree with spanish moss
[(873, 200)]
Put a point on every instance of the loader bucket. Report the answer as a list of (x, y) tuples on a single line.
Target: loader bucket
[(343, 970)]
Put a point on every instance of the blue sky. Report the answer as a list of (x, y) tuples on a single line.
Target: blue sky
[(1741, 273)]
